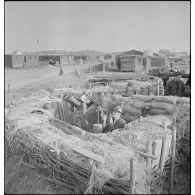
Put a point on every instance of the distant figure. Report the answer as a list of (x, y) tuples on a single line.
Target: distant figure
[(77, 72), (61, 71)]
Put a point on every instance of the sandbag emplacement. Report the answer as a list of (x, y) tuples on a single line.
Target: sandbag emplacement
[(137, 104), (164, 106), (167, 99), (156, 111), (183, 100), (142, 98), (131, 110)]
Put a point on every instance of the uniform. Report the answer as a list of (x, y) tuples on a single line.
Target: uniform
[(120, 123)]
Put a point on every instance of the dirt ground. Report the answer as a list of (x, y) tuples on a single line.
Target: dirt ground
[(25, 81)]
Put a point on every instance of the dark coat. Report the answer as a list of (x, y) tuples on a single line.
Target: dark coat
[(120, 123), (175, 88), (188, 83)]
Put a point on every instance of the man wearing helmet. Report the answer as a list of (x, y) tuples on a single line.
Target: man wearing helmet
[(114, 120)]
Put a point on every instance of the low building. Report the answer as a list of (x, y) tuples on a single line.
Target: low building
[(31, 61), (136, 63), (175, 60), (71, 59), (164, 53), (100, 58), (134, 53), (130, 63), (14, 61), (154, 61), (64, 59), (107, 57)]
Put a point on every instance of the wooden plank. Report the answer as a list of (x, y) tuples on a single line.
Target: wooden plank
[(131, 187), (146, 155), (172, 161), (148, 151), (88, 154), (153, 152), (157, 152)]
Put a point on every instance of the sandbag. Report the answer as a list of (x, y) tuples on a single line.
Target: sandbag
[(159, 119), (164, 106), (115, 97), (130, 91), (142, 98), (183, 100), (144, 90), (125, 99), (131, 110), (138, 91), (137, 104), (157, 111), (151, 90), (167, 99)]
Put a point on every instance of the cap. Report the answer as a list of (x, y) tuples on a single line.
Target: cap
[(118, 109)]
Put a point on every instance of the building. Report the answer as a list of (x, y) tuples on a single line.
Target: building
[(154, 61), (14, 61), (131, 63), (31, 61), (107, 57), (175, 60), (164, 53), (136, 63), (100, 58), (64, 59), (134, 53)]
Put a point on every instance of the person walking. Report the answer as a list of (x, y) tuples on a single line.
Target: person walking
[(61, 71)]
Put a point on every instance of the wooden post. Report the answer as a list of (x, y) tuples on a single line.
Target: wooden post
[(9, 92), (148, 151), (172, 160), (157, 87), (162, 157), (131, 187), (153, 151), (98, 118)]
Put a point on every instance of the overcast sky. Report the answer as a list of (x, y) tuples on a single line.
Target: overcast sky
[(104, 26)]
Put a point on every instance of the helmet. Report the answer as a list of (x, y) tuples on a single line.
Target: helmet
[(118, 109)]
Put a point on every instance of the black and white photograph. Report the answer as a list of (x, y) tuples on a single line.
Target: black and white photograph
[(97, 97)]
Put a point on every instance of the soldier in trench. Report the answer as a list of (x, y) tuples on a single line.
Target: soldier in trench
[(113, 120)]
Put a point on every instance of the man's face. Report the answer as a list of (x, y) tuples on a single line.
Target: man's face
[(116, 115)]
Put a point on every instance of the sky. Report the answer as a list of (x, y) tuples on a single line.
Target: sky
[(109, 26)]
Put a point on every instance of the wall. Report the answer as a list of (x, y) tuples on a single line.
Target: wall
[(8, 61), (127, 63), (71, 60), (64, 59), (31, 60), (17, 61), (157, 62), (138, 64)]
